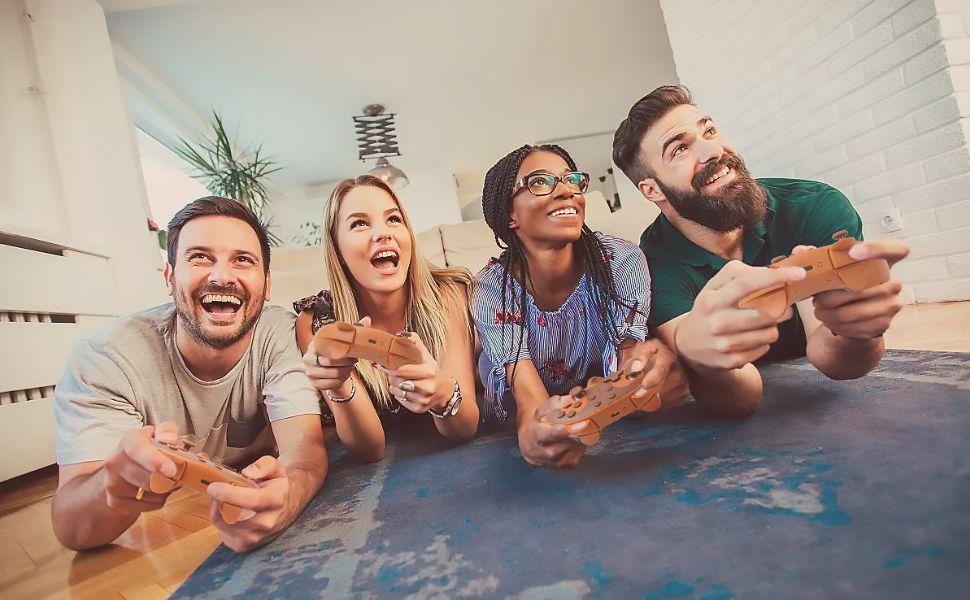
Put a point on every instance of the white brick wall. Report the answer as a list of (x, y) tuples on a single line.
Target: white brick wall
[(871, 96)]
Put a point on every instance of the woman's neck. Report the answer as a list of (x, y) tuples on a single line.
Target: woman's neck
[(554, 273), (387, 310)]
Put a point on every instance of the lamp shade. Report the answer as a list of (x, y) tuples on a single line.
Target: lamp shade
[(392, 175)]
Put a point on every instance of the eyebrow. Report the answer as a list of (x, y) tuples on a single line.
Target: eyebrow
[(703, 120), (209, 250), (393, 209)]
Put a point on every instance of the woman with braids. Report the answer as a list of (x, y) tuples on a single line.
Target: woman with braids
[(379, 279), (560, 305)]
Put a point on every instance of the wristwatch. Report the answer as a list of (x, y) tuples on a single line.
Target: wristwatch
[(450, 409)]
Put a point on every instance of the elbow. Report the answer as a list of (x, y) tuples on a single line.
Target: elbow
[(462, 437), (369, 455), (66, 530)]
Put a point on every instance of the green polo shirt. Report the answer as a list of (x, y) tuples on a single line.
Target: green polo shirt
[(799, 212)]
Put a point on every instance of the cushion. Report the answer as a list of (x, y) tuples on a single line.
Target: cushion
[(469, 244)]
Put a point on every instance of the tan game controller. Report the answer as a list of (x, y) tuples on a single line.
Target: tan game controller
[(340, 340), (602, 402), (828, 268), (197, 471)]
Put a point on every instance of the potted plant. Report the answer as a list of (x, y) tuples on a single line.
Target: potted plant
[(225, 172)]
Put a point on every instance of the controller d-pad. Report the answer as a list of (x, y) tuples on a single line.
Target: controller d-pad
[(615, 376)]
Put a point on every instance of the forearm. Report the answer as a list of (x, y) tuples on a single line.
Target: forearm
[(462, 426), (840, 357), (729, 392), (81, 516), (357, 424), (306, 475), (529, 393)]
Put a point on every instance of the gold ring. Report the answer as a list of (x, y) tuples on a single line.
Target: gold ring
[(139, 494)]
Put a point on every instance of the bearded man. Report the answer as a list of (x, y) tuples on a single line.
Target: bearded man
[(210, 367), (718, 230)]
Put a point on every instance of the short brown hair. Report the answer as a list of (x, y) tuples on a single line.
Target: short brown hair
[(644, 113), (216, 206)]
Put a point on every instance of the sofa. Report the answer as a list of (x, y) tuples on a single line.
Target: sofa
[(300, 272)]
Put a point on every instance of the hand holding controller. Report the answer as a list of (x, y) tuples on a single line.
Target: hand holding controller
[(827, 268), (341, 340), (603, 402), (197, 471)]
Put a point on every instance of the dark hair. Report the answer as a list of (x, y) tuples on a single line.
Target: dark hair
[(216, 206), (644, 113), (497, 208)]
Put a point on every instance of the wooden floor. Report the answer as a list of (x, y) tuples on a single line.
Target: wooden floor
[(163, 548)]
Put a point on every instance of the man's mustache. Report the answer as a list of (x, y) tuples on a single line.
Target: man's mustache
[(732, 161)]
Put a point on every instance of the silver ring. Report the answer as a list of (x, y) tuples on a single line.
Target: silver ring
[(404, 395), (316, 359), (406, 386)]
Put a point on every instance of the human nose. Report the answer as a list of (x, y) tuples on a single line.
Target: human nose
[(562, 190), (221, 273), (380, 232), (708, 150)]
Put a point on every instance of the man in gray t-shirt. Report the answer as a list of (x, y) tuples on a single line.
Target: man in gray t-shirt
[(216, 367)]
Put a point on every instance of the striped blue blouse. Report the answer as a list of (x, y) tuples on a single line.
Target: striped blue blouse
[(567, 346)]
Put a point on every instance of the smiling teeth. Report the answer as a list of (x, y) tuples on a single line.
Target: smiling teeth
[(220, 298), (724, 171), (564, 211), (385, 254)]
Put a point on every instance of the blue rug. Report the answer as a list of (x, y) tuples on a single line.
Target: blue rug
[(855, 489)]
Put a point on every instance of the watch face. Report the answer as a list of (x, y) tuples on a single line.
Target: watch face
[(456, 404)]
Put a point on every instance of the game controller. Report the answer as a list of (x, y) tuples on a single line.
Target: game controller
[(603, 401), (827, 268), (340, 340), (197, 471)]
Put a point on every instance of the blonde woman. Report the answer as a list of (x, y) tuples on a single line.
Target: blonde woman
[(379, 279)]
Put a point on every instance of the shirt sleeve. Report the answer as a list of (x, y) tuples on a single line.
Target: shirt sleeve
[(286, 390), (632, 279), (831, 212), (673, 292), (92, 410), (504, 339), (320, 307)]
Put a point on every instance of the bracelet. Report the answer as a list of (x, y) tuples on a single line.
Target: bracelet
[(451, 408), (350, 396)]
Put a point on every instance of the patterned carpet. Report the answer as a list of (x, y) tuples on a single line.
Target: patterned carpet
[(832, 490)]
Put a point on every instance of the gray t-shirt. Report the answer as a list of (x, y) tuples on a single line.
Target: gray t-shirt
[(129, 374)]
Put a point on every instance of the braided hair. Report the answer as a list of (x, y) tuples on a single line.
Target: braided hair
[(497, 209)]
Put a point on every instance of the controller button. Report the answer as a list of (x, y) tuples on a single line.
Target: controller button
[(575, 391), (570, 414), (561, 414)]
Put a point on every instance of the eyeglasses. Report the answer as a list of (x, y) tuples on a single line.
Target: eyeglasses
[(541, 183)]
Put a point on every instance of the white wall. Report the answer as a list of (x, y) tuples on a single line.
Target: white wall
[(871, 96), (69, 167), (430, 199)]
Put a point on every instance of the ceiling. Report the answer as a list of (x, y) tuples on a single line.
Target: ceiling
[(469, 81)]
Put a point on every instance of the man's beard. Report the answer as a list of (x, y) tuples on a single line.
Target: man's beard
[(742, 203), (227, 335)]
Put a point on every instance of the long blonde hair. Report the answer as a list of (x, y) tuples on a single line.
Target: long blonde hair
[(427, 286)]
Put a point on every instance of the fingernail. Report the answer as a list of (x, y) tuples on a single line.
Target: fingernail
[(636, 365), (168, 469), (796, 273), (858, 252), (640, 393)]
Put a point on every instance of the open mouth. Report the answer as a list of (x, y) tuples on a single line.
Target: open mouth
[(385, 260), (568, 211), (221, 304), (721, 173)]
